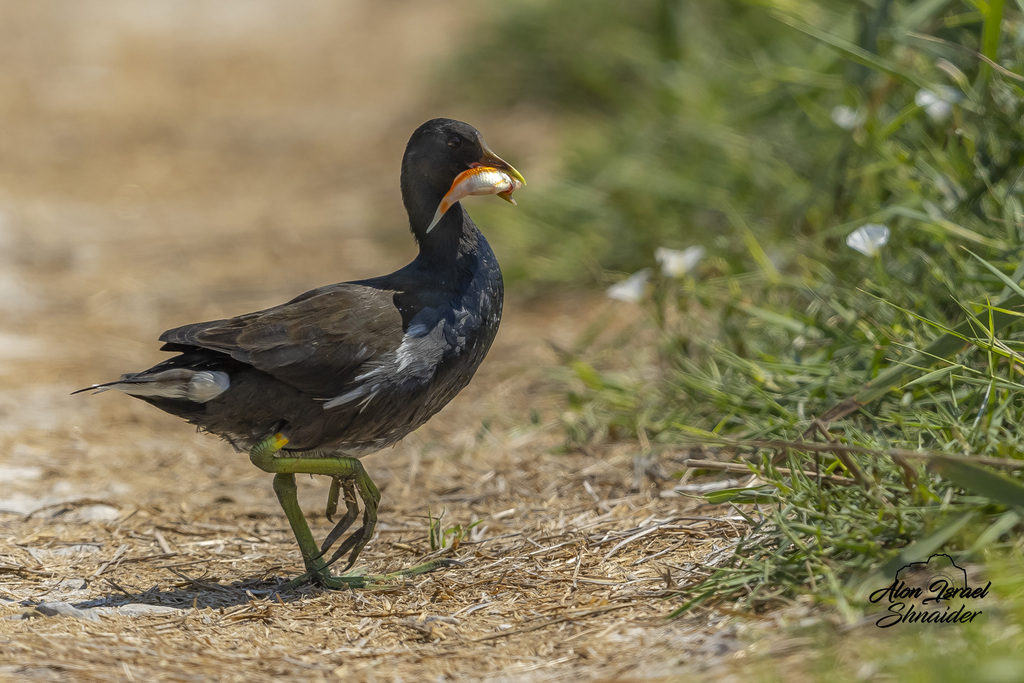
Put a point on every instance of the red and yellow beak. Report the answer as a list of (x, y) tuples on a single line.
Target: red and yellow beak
[(492, 160)]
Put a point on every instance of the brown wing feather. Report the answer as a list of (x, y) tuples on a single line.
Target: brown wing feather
[(316, 342)]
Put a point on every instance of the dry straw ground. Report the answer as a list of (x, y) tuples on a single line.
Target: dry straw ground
[(168, 162)]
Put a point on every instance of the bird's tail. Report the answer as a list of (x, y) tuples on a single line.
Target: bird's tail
[(183, 384)]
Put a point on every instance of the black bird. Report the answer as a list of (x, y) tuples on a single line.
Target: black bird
[(339, 372)]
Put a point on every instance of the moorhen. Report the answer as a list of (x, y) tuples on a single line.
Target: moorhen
[(310, 386)]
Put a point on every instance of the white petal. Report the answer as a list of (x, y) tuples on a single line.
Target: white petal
[(632, 288), (923, 98), (937, 102), (939, 111), (868, 238), (846, 117), (676, 263)]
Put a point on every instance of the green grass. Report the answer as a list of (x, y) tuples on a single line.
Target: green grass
[(984, 650), (716, 124), (711, 123), (447, 537)]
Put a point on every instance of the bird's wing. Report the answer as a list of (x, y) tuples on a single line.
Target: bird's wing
[(316, 343)]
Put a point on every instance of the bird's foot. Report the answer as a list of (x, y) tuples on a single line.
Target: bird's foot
[(322, 576), (351, 512), (348, 477)]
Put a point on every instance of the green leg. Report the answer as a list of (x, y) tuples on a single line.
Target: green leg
[(287, 495), (348, 470)]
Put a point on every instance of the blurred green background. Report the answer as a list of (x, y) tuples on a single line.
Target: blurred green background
[(852, 171)]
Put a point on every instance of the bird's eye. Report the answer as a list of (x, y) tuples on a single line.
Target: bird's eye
[(454, 141)]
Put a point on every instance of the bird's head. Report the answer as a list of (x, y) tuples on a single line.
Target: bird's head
[(437, 155)]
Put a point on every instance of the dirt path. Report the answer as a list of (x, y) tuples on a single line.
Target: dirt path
[(164, 163)]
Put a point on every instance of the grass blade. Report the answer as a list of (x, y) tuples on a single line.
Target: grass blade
[(997, 487)]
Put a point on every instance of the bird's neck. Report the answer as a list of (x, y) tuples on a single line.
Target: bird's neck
[(454, 235)]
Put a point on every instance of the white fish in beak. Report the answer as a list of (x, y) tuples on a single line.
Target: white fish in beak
[(477, 181)]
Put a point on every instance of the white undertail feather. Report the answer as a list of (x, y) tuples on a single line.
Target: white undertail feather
[(179, 384)]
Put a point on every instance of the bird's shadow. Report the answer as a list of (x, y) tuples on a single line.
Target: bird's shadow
[(200, 594), (204, 594), (208, 593)]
